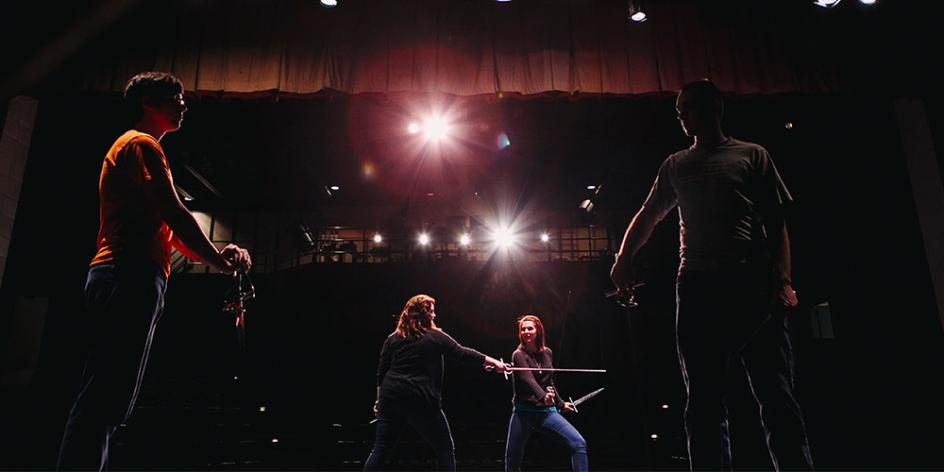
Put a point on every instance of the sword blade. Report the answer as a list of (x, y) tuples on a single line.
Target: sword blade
[(553, 369), (588, 396)]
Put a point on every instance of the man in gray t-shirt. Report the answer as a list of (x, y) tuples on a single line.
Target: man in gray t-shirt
[(723, 193), (734, 284)]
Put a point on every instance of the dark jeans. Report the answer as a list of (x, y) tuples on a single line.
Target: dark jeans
[(724, 322), (550, 423), (124, 303), (429, 421)]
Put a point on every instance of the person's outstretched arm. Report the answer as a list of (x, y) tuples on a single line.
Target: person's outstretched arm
[(453, 349)]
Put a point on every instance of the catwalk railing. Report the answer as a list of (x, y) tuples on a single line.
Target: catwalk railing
[(349, 245)]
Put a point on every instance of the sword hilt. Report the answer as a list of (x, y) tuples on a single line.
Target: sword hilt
[(573, 404)]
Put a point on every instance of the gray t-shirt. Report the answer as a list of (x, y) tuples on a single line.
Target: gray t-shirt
[(724, 195)]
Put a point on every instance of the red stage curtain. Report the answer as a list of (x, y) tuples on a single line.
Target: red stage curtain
[(467, 47)]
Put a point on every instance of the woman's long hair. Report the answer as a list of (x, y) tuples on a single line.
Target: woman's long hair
[(414, 319), (539, 340)]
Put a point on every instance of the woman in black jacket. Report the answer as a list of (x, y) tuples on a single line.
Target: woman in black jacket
[(409, 382)]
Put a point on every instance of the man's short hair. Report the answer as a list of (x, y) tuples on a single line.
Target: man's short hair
[(149, 85), (705, 95)]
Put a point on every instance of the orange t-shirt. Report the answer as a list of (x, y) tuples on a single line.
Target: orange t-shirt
[(130, 224)]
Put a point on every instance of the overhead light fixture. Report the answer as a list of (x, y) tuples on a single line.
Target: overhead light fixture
[(867, 2), (636, 12), (504, 238), (436, 128), (184, 194), (329, 3), (826, 3)]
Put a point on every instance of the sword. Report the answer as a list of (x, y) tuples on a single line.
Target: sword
[(544, 369), (584, 398), (552, 369)]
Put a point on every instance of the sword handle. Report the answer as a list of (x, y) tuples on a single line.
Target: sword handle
[(505, 373), (572, 404)]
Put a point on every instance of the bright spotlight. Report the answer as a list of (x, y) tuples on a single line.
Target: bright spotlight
[(867, 2), (413, 128), (826, 3), (329, 3), (465, 239), (545, 237), (378, 238), (424, 239), (436, 128), (636, 12), (335, 188), (504, 238)]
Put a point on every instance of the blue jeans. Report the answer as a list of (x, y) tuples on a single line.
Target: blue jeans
[(550, 423), (429, 421), (124, 304), (724, 322)]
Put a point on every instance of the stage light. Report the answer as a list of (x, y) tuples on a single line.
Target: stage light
[(329, 3), (636, 12), (591, 187), (465, 239), (867, 2), (504, 238), (184, 194), (413, 128), (262, 409), (665, 407), (275, 440), (826, 3), (654, 436), (306, 238), (545, 237), (424, 239), (436, 128), (378, 238), (335, 188)]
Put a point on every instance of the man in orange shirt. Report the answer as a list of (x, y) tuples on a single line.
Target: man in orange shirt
[(141, 221)]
